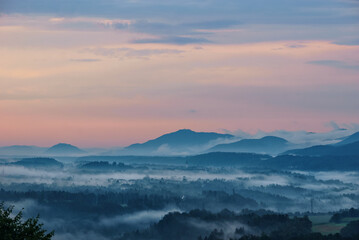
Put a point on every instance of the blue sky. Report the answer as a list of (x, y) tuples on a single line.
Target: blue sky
[(333, 20)]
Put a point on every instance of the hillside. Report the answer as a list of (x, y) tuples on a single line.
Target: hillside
[(328, 150), (348, 140)]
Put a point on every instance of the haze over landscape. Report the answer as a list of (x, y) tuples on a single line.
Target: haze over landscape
[(179, 120)]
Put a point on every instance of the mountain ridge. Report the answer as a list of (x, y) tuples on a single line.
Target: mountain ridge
[(327, 150), (183, 140), (64, 149)]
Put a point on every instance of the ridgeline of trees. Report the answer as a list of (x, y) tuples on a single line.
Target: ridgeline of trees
[(351, 213), (86, 202), (197, 223), (110, 203), (228, 225), (104, 165)]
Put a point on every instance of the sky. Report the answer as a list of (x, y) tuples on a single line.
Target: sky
[(114, 72)]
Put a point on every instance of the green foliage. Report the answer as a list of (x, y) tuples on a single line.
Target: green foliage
[(13, 228)]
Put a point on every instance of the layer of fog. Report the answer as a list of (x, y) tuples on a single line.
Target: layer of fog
[(141, 218), (71, 177), (228, 228), (304, 138), (346, 177), (19, 174), (88, 229)]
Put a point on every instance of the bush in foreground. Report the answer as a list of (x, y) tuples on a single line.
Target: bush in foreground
[(13, 228)]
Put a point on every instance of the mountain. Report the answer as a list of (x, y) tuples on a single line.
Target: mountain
[(351, 149), (180, 142), (269, 145), (351, 139), (21, 150), (64, 149)]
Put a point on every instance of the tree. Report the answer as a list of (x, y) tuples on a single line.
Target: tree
[(351, 230), (13, 228)]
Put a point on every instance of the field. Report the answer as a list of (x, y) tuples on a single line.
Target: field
[(321, 224)]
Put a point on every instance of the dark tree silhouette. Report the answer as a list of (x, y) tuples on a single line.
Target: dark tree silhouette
[(13, 228), (351, 230)]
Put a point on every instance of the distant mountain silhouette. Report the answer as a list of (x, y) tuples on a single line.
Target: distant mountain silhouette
[(181, 141), (21, 150), (64, 149), (328, 150), (39, 163), (269, 145), (351, 139)]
